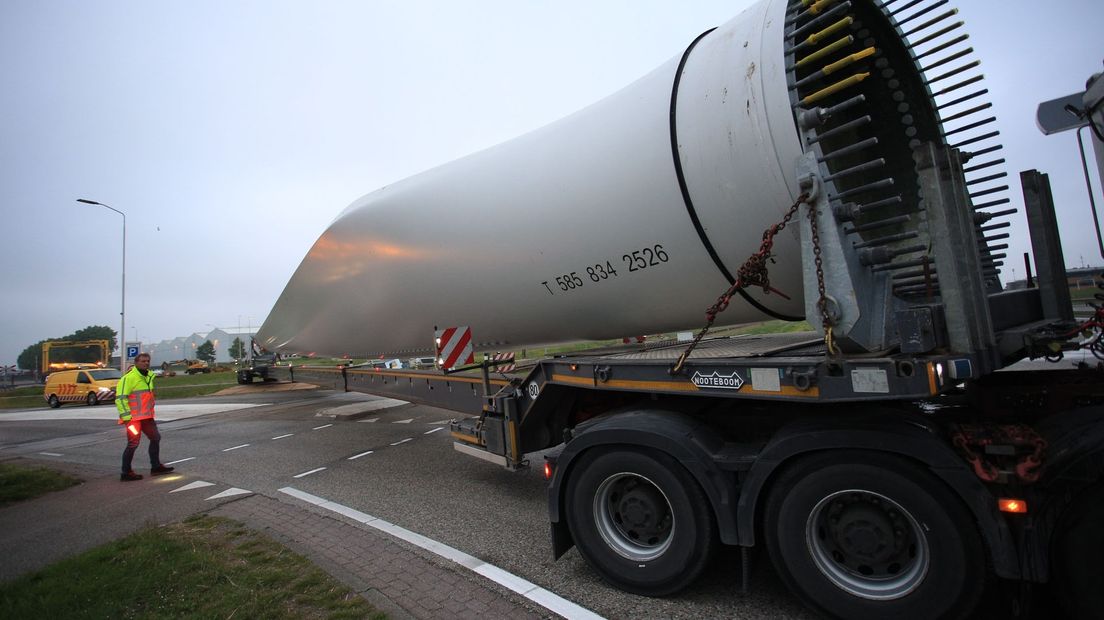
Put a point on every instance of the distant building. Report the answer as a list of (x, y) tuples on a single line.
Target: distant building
[(1078, 279), (184, 347)]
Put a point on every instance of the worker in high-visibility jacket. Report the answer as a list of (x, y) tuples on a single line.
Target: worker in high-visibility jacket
[(134, 399)]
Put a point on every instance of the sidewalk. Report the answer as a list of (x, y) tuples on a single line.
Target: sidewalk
[(398, 579)]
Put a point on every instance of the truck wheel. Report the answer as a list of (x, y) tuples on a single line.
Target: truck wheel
[(91, 399), (1078, 543), (640, 520), (869, 535), (53, 401), (244, 378)]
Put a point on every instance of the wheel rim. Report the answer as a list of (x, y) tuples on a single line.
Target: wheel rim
[(867, 544), (634, 517), (90, 399)]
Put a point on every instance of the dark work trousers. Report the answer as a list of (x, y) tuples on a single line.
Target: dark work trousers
[(149, 427)]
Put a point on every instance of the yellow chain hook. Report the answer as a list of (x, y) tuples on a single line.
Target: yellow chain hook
[(830, 342)]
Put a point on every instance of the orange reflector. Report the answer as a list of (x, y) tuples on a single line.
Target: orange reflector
[(133, 429), (547, 470), (1017, 506), (574, 367)]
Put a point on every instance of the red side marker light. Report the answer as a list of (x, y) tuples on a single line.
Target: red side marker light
[(1017, 506), (547, 470), (133, 428)]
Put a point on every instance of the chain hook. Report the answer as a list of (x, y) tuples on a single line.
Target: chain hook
[(753, 271)]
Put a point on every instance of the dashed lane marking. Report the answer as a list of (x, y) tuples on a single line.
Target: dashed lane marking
[(403, 441), (403, 421), (441, 422), (321, 427), (434, 430), (357, 456), (282, 436), (372, 420), (231, 492), (529, 590), (307, 473), (244, 445), (190, 458), (49, 454), (199, 484)]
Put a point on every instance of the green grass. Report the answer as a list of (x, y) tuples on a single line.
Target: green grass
[(18, 483), (774, 327), (167, 388), (205, 567)]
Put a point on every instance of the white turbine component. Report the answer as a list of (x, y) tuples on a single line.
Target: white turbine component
[(578, 230)]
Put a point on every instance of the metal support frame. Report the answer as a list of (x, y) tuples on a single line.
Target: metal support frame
[(860, 321), (1046, 245), (964, 294)]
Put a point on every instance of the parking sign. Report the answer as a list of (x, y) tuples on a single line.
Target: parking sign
[(132, 349)]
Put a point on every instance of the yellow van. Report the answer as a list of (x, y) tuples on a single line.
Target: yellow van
[(89, 386)]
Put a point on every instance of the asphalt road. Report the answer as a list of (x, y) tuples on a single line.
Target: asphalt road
[(397, 464)]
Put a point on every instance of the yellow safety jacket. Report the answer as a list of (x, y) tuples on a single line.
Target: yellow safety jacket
[(134, 396)]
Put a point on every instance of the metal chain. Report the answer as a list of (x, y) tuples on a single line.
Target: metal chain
[(822, 300), (752, 272)]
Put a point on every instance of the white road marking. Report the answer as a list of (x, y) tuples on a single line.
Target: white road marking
[(231, 492), (357, 456), (441, 422), (49, 454), (236, 447), (282, 436), (165, 413), (372, 420), (199, 484), (307, 473), (321, 427), (439, 428), (403, 421), (190, 458), (403, 441), (529, 590), (378, 404)]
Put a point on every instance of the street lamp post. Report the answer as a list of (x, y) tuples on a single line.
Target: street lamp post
[(122, 310)]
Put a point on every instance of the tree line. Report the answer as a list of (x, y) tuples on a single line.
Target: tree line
[(31, 357)]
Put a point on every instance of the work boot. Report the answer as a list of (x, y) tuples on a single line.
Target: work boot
[(161, 470), (130, 475)]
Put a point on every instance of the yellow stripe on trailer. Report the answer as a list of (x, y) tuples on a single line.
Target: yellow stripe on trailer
[(644, 386), (472, 439)]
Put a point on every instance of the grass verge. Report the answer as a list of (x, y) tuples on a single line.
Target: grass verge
[(18, 483), (180, 386), (204, 567)]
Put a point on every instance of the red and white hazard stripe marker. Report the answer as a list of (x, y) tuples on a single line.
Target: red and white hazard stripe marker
[(504, 362), (454, 347)]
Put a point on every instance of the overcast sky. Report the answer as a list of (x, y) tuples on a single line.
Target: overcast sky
[(232, 133)]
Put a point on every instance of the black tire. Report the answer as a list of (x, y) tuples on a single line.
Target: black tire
[(1078, 544), (91, 399), (869, 535), (53, 401), (640, 520)]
